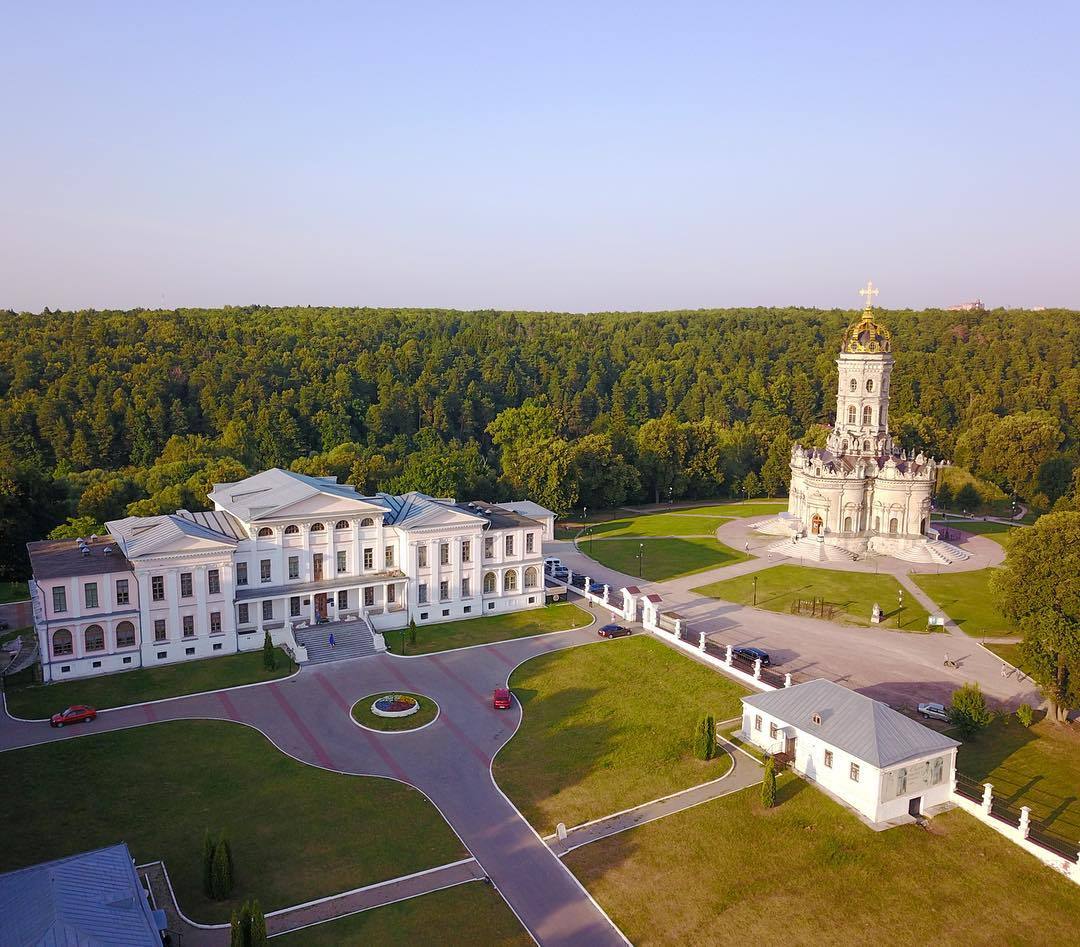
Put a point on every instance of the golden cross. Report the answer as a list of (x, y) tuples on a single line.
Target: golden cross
[(869, 292)]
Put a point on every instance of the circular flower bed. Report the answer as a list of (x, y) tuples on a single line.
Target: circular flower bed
[(394, 712)]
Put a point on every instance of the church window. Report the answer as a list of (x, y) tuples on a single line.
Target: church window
[(869, 384), (847, 524), (866, 445), (854, 384), (851, 414), (843, 447), (867, 415), (893, 526)]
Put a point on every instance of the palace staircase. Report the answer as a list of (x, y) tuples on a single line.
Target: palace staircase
[(352, 639)]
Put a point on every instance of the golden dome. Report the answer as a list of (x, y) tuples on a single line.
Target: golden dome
[(866, 335)]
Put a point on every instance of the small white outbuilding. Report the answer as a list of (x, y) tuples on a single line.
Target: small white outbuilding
[(872, 758)]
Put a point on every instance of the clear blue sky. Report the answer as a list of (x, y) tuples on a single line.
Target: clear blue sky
[(575, 156)]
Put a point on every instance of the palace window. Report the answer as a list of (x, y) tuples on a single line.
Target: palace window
[(853, 773), (294, 606), (866, 446), (123, 597), (367, 521), (466, 587), (421, 557), (185, 585), (188, 622), (160, 631), (851, 414), (264, 570), (853, 385), (369, 596), (510, 581), (388, 556), (90, 594), (489, 547), (391, 594), (489, 583), (241, 573), (215, 623), (867, 416), (369, 558), (466, 551), (213, 582), (265, 533), (59, 599), (508, 545), (292, 530), (157, 588), (94, 638), (318, 527), (294, 567), (341, 524), (444, 591), (342, 560), (242, 613), (421, 593), (444, 554), (62, 642), (530, 577), (343, 599), (528, 542), (125, 635), (268, 609)]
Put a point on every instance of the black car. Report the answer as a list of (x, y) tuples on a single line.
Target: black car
[(752, 655), (613, 631)]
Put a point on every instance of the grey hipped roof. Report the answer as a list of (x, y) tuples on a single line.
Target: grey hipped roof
[(861, 726), (83, 901)]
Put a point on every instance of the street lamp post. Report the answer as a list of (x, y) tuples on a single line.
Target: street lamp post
[(900, 613), (755, 590), (641, 560)]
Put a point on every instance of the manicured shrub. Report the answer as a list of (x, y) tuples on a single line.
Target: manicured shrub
[(248, 926), (969, 713), (208, 864), (768, 784), (221, 881), (269, 657), (705, 738), (412, 631), (1025, 715), (258, 926)]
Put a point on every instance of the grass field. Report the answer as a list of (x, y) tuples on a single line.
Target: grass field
[(608, 726), (808, 872), (133, 687), (740, 508), (13, 592), (472, 913), (561, 616), (998, 532), (1010, 653), (657, 524), (362, 713), (664, 558), (1037, 766), (297, 832), (854, 592), (965, 597)]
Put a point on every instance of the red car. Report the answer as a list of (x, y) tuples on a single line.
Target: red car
[(80, 713), (500, 700)]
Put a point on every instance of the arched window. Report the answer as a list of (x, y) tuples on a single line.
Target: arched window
[(367, 521), (843, 447), (489, 583), (854, 384), (922, 526), (265, 531), (847, 524), (866, 446), (867, 416), (292, 529), (815, 525), (94, 638), (530, 577), (851, 414), (61, 642), (125, 635), (510, 581), (893, 526), (317, 527), (869, 384), (341, 524)]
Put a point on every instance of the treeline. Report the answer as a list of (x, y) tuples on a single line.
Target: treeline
[(103, 413)]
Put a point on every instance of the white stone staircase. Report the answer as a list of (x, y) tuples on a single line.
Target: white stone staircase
[(811, 549), (352, 639)]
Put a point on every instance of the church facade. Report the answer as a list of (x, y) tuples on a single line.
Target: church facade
[(861, 493)]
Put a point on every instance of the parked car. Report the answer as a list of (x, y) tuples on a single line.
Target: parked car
[(752, 655), (613, 631), (80, 713), (501, 699), (597, 588), (553, 562), (933, 711), (4, 626)]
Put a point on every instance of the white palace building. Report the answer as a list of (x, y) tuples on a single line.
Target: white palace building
[(862, 493), (294, 555)]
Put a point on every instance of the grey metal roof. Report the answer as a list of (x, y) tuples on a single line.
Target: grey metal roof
[(141, 535), (264, 493), (500, 517), (859, 725), (84, 900), (217, 520), (62, 558), (415, 510)]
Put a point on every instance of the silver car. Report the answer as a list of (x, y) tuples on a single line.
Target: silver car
[(934, 712)]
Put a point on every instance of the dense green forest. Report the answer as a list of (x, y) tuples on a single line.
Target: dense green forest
[(105, 413)]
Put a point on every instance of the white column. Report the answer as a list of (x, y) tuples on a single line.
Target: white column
[(988, 797), (172, 586), (701, 640), (332, 543), (278, 577), (311, 608), (1025, 821), (678, 628), (729, 655), (607, 593), (757, 669), (201, 619), (385, 602), (455, 568), (787, 680)]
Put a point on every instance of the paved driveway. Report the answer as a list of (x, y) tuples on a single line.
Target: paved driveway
[(308, 717)]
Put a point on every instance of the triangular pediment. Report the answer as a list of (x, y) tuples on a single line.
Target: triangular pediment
[(320, 504)]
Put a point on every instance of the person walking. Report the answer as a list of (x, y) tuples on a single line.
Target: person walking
[(1004, 670), (333, 643)]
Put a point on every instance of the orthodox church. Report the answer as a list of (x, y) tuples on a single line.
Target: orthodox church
[(861, 493)]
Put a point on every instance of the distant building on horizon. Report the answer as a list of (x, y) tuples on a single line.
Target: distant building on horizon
[(976, 306)]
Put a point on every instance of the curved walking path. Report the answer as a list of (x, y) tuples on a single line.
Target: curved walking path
[(308, 717)]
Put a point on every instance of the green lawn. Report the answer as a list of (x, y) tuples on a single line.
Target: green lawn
[(854, 592), (657, 524), (998, 532), (664, 558), (1037, 766), (133, 687), (362, 713), (561, 616), (474, 912), (13, 592), (297, 832), (808, 872), (1010, 653), (743, 508), (608, 726), (965, 597)]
